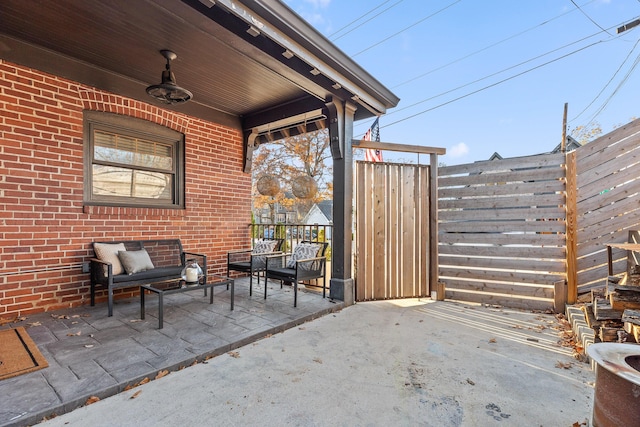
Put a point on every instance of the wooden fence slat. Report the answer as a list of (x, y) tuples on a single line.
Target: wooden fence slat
[(504, 251), (541, 200), (504, 239), (538, 175), (514, 163), (501, 300), (501, 276), (520, 188), (555, 212), (557, 266), (513, 290)]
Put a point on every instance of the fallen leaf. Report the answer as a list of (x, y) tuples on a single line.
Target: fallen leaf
[(128, 387), (302, 328), (143, 381), (35, 324), (162, 373), (59, 316), (318, 360), (492, 341), (561, 365), (234, 354), (136, 394), (76, 334), (91, 400), (470, 382)]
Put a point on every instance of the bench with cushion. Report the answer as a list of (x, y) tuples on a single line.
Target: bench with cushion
[(122, 264)]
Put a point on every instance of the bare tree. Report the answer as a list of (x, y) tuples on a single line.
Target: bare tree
[(306, 154)]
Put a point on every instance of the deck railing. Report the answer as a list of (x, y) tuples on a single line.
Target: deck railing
[(293, 234)]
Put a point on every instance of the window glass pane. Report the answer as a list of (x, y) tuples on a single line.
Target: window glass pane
[(132, 151), (122, 182), (152, 185), (112, 181)]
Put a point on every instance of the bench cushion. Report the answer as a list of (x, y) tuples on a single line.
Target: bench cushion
[(135, 261), (156, 273), (108, 252)]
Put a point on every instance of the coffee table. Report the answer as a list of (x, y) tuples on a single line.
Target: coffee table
[(212, 282)]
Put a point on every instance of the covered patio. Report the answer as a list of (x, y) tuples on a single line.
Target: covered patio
[(256, 72)]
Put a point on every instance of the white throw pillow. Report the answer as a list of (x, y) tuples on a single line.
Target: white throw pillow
[(108, 252)]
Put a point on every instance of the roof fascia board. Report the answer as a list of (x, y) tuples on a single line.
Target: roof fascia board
[(291, 32)]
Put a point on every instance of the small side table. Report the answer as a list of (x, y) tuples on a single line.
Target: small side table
[(634, 247), (212, 282)]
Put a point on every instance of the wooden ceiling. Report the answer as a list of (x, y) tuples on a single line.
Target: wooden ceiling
[(230, 55)]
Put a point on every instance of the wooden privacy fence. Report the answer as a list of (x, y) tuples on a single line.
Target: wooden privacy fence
[(607, 201), (392, 229), (524, 232), (502, 230)]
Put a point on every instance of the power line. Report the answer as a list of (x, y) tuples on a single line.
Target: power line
[(486, 48), (608, 83), (588, 17), (615, 92), (406, 28), (491, 85), (496, 73), (362, 17), (500, 82)]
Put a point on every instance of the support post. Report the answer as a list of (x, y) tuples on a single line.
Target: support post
[(340, 115), (572, 228), (433, 223)]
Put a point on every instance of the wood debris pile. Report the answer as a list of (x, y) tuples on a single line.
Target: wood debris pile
[(614, 312)]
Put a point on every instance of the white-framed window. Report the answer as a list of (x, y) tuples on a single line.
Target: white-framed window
[(132, 162)]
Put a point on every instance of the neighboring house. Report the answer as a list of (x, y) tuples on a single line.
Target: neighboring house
[(320, 213), (283, 215), (87, 155), (571, 145)]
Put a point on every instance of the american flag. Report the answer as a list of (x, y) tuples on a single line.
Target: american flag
[(373, 134)]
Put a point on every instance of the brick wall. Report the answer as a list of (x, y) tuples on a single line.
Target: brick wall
[(46, 231)]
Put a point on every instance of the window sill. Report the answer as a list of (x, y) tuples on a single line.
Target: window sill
[(129, 211)]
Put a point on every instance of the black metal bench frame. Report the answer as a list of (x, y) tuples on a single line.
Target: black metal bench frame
[(169, 267)]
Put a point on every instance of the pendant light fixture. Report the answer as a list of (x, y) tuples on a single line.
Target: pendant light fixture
[(168, 92)]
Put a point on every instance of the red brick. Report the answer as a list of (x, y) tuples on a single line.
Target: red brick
[(46, 226)]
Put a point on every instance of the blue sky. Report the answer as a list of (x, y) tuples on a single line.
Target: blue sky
[(484, 76)]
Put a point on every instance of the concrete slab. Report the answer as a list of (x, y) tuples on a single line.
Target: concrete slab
[(407, 362), (91, 354)]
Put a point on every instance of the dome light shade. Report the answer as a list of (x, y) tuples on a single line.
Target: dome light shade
[(304, 187), (168, 92), (268, 185)]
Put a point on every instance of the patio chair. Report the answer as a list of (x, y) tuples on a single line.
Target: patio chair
[(253, 261), (306, 262)]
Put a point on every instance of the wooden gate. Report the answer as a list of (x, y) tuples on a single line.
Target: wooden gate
[(392, 229)]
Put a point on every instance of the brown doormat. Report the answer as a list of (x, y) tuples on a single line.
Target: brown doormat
[(18, 353)]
